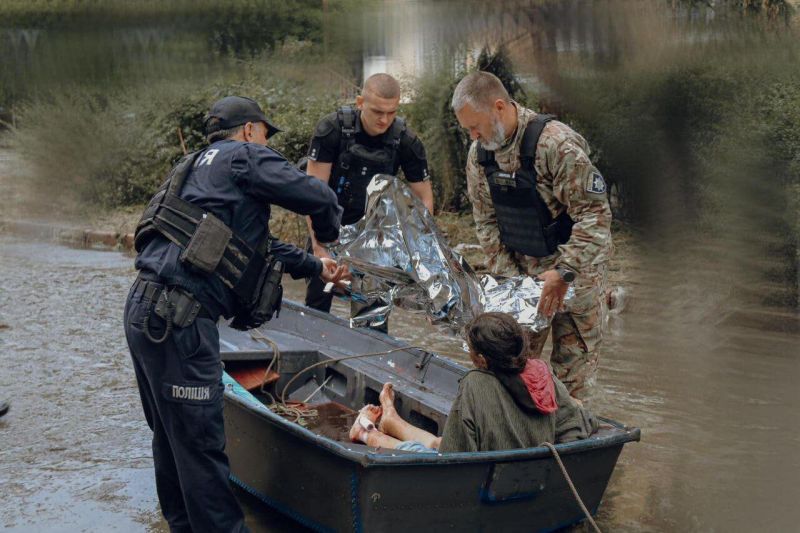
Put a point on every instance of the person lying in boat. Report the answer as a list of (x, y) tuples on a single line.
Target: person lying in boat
[(508, 401)]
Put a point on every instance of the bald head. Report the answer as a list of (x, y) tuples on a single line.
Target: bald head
[(382, 86), (480, 90)]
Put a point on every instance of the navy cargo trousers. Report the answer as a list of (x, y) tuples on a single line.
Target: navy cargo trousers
[(180, 384)]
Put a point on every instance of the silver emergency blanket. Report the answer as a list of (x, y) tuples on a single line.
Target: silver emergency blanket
[(398, 245), (406, 262), (518, 296)]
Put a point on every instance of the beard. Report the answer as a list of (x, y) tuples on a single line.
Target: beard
[(498, 136)]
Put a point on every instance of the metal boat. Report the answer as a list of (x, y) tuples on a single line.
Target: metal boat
[(327, 483)]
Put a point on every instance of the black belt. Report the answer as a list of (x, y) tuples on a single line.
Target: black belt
[(151, 287)]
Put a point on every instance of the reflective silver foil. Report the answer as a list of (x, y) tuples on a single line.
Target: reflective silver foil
[(406, 262), (399, 246), (518, 296)]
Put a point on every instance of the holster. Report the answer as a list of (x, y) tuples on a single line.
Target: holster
[(269, 293), (178, 307)]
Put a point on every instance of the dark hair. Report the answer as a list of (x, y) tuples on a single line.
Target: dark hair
[(221, 135), (499, 339)]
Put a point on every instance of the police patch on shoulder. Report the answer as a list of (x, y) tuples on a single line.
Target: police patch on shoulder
[(596, 184)]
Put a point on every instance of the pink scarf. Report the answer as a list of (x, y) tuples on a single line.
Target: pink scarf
[(539, 381)]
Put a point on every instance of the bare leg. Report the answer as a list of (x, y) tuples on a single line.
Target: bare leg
[(364, 429), (392, 425), (380, 440)]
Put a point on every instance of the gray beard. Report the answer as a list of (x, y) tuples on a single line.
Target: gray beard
[(498, 136)]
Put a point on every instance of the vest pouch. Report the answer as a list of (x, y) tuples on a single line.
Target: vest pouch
[(269, 294), (207, 245)]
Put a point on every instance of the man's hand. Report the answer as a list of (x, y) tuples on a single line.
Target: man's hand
[(323, 254), (331, 272), (553, 292)]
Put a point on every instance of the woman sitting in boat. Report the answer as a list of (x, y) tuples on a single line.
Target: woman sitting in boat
[(508, 401)]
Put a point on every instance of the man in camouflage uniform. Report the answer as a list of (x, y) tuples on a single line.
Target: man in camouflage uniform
[(567, 182)]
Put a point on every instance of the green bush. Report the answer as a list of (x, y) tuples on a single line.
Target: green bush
[(446, 143), (86, 146), (115, 150)]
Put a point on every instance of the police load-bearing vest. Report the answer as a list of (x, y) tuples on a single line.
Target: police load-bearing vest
[(211, 247), (357, 164), (525, 223)]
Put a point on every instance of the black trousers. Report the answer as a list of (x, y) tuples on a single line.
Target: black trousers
[(180, 385)]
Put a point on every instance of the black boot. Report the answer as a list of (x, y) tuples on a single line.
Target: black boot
[(4, 407)]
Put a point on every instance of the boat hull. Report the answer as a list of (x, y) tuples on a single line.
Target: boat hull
[(331, 485)]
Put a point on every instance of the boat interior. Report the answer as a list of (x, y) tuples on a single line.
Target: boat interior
[(305, 375), (324, 392)]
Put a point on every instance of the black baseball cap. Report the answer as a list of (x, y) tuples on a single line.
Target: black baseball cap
[(234, 111)]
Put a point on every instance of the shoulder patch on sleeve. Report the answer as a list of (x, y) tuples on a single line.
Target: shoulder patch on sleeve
[(596, 184)]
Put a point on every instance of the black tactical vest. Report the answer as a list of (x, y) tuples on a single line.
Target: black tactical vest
[(357, 164), (211, 247), (525, 223)]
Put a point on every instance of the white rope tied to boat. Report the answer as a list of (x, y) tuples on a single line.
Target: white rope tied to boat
[(571, 485)]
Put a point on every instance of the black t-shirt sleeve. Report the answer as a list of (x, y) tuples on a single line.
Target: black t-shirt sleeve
[(324, 146), (413, 160)]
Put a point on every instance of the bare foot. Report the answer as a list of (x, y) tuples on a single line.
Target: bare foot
[(387, 404), (365, 421)]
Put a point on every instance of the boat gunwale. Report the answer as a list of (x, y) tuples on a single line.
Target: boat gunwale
[(367, 458), (235, 393)]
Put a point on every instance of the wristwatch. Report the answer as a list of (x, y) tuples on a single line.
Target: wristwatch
[(566, 274)]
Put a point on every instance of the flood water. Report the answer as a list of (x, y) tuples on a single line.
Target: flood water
[(716, 399), (703, 358)]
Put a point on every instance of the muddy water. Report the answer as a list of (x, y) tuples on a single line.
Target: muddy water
[(711, 382)]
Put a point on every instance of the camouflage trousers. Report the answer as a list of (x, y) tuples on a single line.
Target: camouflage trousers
[(577, 334)]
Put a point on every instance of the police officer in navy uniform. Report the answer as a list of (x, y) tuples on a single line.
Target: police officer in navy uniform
[(205, 252), (348, 148)]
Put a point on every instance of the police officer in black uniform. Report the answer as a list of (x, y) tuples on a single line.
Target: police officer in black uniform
[(205, 252), (348, 148)]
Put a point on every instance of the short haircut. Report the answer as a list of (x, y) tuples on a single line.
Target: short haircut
[(382, 85), (221, 135), (480, 90), (499, 338)]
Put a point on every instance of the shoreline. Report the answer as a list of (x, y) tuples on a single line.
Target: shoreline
[(113, 231)]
